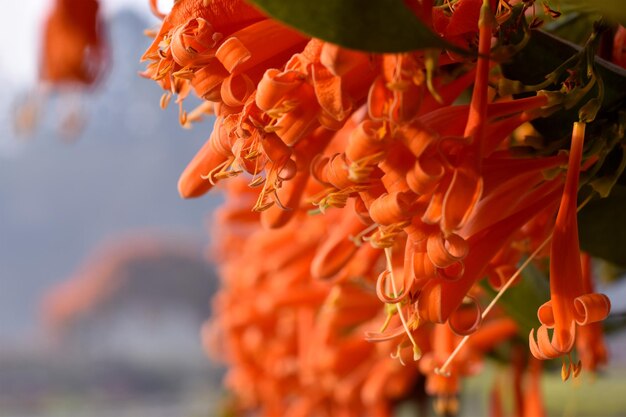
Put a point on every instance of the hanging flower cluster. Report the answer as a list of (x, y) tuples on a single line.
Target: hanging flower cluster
[(365, 205), (368, 207)]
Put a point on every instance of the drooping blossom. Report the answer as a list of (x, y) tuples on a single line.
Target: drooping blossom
[(572, 302), (73, 49)]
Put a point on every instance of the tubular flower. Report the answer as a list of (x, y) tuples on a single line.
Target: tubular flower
[(73, 47), (570, 304), (219, 50), (367, 204)]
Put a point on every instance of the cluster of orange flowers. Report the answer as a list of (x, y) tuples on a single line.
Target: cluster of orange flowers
[(368, 208), (416, 201)]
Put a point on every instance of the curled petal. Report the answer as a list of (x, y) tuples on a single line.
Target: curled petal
[(329, 94), (463, 193), (154, 8), (425, 175), (366, 141), (395, 166), (422, 266), (546, 315), (500, 275), (430, 302), (208, 79), (391, 208), (418, 231), (226, 16), (232, 53), (466, 319), (544, 347), (335, 172), (236, 89), (300, 121), (445, 251), (193, 43), (534, 347), (382, 289), (276, 86), (377, 99), (416, 137), (591, 308), (433, 212), (256, 43)]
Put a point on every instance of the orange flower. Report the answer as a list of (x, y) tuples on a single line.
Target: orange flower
[(296, 348), (220, 49), (570, 304), (73, 48)]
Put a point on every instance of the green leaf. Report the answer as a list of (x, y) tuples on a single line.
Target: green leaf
[(602, 227), (367, 25), (613, 10)]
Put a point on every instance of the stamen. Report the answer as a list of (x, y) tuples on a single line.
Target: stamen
[(431, 64), (221, 172), (565, 370), (256, 181), (360, 237), (278, 202), (416, 350), (577, 368), (165, 100)]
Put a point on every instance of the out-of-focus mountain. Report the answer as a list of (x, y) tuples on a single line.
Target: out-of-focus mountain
[(123, 334), (58, 199), (137, 352)]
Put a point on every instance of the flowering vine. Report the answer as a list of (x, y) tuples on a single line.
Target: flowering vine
[(368, 197)]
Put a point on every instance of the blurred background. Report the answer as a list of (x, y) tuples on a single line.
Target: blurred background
[(104, 283), (104, 280)]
